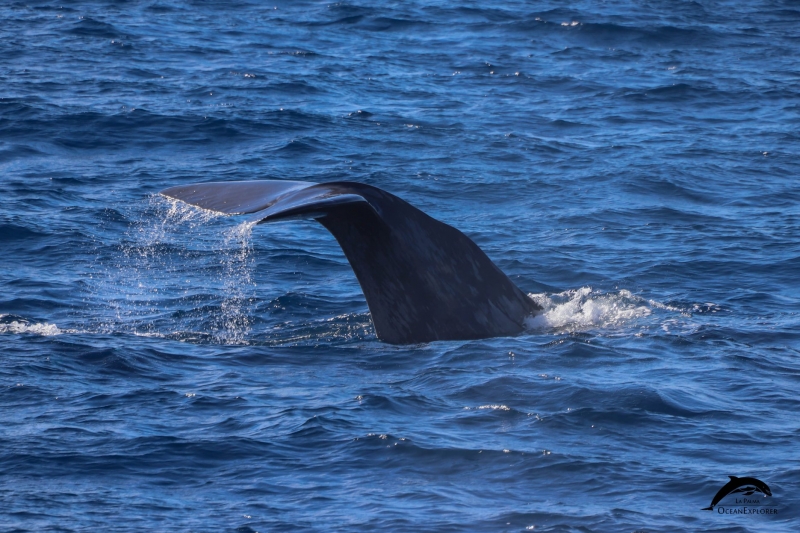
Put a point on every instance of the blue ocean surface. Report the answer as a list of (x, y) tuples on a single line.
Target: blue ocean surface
[(633, 166)]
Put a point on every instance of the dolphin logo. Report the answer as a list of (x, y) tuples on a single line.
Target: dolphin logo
[(746, 485)]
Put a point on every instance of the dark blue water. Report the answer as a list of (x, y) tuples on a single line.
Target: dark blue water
[(632, 165)]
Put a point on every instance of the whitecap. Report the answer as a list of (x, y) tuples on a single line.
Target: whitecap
[(22, 327), (584, 308)]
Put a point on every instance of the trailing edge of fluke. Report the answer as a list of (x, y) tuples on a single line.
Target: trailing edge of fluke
[(423, 280)]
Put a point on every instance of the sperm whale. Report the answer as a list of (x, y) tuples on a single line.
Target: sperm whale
[(423, 279)]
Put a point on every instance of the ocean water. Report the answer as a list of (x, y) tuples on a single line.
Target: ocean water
[(631, 165)]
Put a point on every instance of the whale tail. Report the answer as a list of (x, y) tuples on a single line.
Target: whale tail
[(423, 280)]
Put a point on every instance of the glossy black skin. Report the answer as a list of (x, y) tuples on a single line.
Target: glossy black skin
[(734, 485), (423, 280)]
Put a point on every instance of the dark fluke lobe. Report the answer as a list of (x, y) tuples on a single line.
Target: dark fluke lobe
[(423, 280)]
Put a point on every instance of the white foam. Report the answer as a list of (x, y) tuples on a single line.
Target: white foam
[(583, 308), (44, 329), (495, 407)]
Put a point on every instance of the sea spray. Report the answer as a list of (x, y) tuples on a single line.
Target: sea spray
[(238, 286), (177, 273)]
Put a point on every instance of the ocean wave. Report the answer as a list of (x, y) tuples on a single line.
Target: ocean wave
[(89, 27), (140, 127), (582, 309), (15, 325)]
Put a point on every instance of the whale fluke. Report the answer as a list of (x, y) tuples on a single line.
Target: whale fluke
[(423, 280)]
